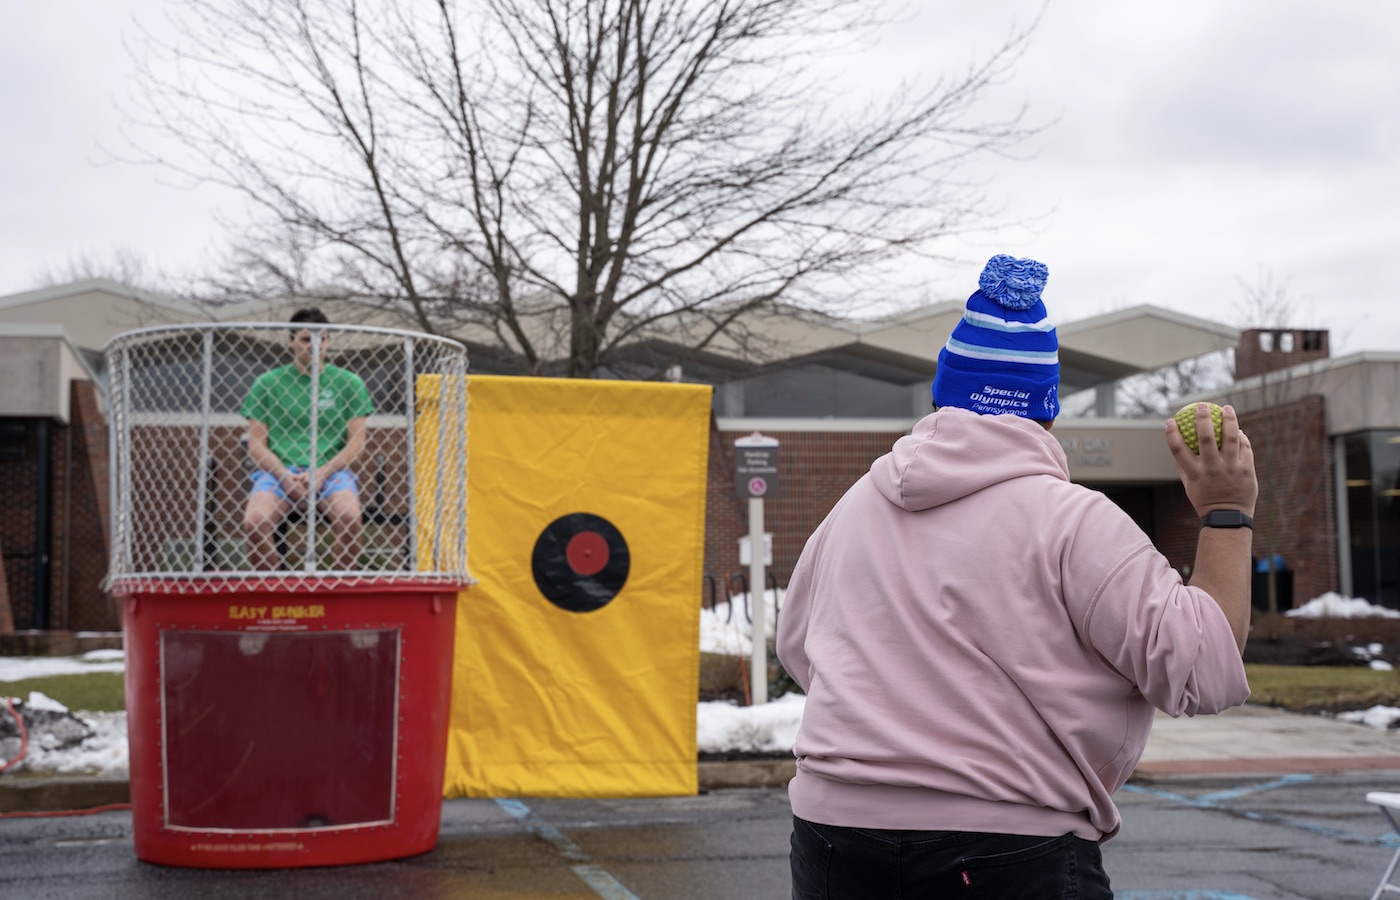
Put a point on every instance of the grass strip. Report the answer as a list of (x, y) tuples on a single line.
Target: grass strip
[(1322, 688), (92, 691)]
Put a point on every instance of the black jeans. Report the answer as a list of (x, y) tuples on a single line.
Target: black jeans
[(834, 863)]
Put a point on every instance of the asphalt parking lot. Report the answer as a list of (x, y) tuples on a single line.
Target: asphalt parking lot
[(1262, 837)]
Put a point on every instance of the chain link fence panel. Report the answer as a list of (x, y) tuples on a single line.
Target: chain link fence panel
[(222, 435)]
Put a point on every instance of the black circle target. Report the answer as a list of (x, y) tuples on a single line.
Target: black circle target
[(580, 562)]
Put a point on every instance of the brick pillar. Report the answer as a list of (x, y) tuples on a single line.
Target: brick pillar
[(1262, 350), (90, 608), (7, 619)]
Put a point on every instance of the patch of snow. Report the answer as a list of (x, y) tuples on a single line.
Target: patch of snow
[(66, 742), (43, 701), (104, 753), (726, 629), (1383, 717), (768, 728), (1372, 653), (20, 668), (103, 655), (1335, 606)]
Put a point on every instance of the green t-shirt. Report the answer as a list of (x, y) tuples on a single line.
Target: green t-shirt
[(281, 400)]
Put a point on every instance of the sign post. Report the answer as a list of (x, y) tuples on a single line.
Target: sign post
[(756, 477)]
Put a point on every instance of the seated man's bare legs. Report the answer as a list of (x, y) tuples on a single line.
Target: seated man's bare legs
[(341, 510), (265, 511)]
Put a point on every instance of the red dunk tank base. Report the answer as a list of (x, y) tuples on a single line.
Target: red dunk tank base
[(276, 730)]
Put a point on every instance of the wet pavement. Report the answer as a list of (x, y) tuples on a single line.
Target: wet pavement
[(1255, 804), (1275, 838)]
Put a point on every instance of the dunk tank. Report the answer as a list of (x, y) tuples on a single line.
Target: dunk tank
[(289, 660)]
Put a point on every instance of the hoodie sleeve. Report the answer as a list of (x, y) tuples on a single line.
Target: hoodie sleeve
[(1170, 640)]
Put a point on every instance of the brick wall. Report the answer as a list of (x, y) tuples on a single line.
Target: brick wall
[(18, 497), (1263, 350), (78, 547), (7, 619), (815, 469), (82, 529), (1296, 514)]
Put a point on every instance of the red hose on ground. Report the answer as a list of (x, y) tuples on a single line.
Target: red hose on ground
[(40, 814), (23, 735)]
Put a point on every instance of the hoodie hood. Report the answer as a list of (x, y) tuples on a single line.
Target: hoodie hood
[(953, 452)]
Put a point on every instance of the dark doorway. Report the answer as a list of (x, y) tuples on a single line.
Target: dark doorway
[(1135, 500)]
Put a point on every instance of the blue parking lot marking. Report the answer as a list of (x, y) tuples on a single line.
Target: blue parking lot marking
[(599, 879), (1212, 802)]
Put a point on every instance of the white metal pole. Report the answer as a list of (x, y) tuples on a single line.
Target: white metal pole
[(410, 409), (311, 564), (201, 511), (759, 675)]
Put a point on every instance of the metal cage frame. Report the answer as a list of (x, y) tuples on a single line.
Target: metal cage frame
[(177, 457)]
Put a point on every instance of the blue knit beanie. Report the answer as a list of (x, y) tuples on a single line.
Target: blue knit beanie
[(1003, 357)]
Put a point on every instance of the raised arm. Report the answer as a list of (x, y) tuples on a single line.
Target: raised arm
[(1220, 478)]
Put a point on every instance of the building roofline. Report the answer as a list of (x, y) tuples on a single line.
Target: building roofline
[(89, 285), (53, 330), (1147, 310), (1311, 368), (861, 327), (34, 329)]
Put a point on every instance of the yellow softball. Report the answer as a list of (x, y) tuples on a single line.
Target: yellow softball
[(1186, 421)]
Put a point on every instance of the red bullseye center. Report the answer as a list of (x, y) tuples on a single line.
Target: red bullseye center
[(587, 553)]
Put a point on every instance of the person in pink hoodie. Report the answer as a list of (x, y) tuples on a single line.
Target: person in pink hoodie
[(983, 643)]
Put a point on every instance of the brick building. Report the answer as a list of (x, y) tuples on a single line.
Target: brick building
[(835, 394), (53, 486)]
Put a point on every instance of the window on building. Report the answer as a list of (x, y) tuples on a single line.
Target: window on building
[(1373, 515), (817, 391), (14, 440)]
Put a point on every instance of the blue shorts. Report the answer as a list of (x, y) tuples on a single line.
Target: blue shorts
[(341, 480)]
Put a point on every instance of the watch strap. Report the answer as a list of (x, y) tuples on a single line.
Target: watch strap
[(1227, 518)]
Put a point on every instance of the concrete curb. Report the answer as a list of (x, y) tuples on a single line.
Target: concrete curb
[(1288, 765), (61, 793), (755, 773)]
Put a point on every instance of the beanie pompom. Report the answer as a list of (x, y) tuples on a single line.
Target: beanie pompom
[(1013, 283), (1003, 357)]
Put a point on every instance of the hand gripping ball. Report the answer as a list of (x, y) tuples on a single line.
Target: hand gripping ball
[(1186, 421)]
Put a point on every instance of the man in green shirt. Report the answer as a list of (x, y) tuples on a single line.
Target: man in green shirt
[(278, 410)]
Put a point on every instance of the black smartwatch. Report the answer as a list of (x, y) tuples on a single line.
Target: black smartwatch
[(1226, 518)]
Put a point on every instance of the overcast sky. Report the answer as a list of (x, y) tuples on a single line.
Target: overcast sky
[(1192, 145)]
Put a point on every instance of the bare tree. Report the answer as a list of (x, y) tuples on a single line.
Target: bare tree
[(563, 179), (123, 265), (1153, 394)]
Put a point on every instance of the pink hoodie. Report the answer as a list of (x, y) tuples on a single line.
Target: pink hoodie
[(982, 642)]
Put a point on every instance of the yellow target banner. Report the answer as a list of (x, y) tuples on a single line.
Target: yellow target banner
[(576, 669)]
